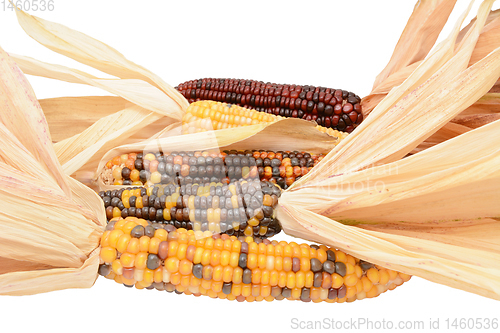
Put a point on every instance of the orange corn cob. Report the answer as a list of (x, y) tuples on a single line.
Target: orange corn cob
[(135, 253)]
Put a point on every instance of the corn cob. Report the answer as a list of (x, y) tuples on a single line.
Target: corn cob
[(240, 208), (331, 108), (204, 116), (139, 169), (162, 257)]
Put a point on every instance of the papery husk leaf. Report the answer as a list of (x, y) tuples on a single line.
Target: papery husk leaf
[(92, 52), (438, 210), (68, 116), (284, 134), (418, 37), (50, 223), (410, 114), (81, 153), (484, 111), (154, 111), (18, 283), (30, 129), (448, 131), (489, 103), (455, 163), (136, 91), (463, 268), (487, 42)]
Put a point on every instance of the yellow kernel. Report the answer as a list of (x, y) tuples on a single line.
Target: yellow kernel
[(340, 256), (337, 281), (127, 260), (367, 284), (181, 251), (122, 244), (156, 177), (350, 280), (278, 263), (138, 274), (305, 264), (113, 237), (161, 234), (144, 244), (405, 277), (225, 256), (262, 261), (148, 276), (108, 254), (172, 248), (133, 246), (227, 274), (373, 275), (198, 254), (217, 273), (215, 257), (252, 261), (150, 157), (154, 244), (237, 275), (117, 267), (384, 277), (309, 279), (290, 280), (185, 267), (105, 238), (172, 264), (141, 260), (300, 279)]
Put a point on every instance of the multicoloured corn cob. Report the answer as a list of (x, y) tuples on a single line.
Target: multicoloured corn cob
[(331, 108), (155, 256), (139, 169), (204, 116), (240, 208)]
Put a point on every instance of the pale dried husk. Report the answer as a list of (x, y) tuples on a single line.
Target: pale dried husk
[(285, 134), (51, 224), (434, 214), (437, 216), (414, 45)]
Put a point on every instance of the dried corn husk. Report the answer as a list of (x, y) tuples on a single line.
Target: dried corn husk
[(51, 223), (68, 116), (418, 222), (438, 207), (285, 134), (406, 58)]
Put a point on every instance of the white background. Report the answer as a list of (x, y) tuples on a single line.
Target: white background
[(337, 44)]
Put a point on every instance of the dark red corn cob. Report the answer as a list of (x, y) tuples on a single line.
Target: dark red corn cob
[(331, 108)]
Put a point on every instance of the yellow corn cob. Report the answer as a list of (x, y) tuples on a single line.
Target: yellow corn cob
[(244, 269), (204, 116)]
